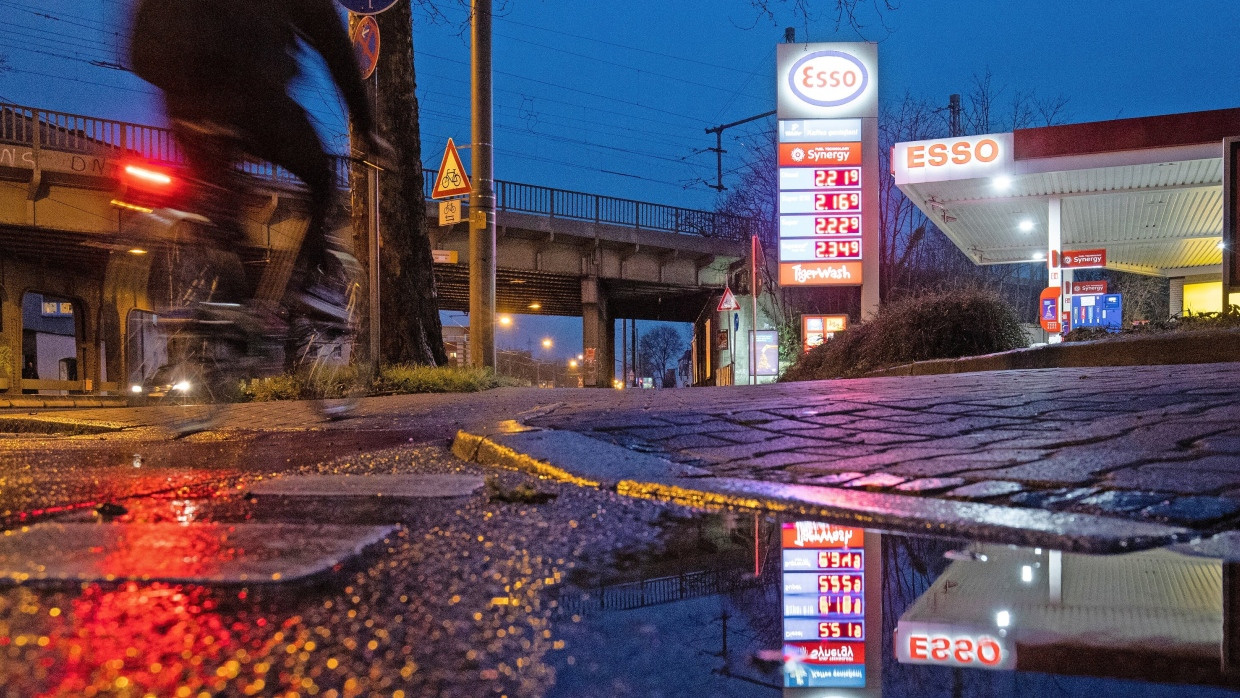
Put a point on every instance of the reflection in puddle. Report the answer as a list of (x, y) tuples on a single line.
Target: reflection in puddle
[(863, 613)]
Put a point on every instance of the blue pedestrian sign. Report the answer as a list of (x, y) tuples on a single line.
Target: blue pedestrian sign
[(366, 7)]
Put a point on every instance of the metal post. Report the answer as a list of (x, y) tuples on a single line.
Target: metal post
[(753, 295), (482, 198), (633, 350), (624, 350), (372, 186)]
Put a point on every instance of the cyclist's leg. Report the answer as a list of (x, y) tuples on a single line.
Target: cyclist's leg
[(210, 156), (281, 133)]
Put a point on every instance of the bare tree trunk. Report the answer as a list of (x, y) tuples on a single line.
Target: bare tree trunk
[(409, 312)]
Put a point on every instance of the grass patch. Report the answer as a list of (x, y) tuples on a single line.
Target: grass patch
[(440, 379), (18, 425), (943, 323), (393, 380)]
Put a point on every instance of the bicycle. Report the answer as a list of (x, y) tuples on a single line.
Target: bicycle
[(223, 330)]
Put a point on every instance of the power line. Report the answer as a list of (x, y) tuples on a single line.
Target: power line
[(661, 54), (573, 89)]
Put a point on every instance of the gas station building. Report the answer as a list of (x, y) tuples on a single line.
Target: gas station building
[(1142, 195)]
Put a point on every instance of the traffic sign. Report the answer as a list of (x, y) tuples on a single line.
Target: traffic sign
[(367, 7), (728, 302), (450, 212), (451, 179), (365, 37)]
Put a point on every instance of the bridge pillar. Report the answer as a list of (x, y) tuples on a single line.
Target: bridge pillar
[(598, 335)]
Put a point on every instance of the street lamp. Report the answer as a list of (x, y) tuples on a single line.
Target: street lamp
[(546, 343), (572, 363)]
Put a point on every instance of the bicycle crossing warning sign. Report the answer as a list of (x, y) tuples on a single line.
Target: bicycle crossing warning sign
[(451, 179)]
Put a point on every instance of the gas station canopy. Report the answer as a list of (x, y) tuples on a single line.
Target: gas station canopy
[(1147, 190)]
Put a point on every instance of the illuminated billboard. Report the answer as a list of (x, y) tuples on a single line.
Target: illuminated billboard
[(828, 161)]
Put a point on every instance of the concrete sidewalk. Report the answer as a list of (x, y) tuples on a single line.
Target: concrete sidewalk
[(1103, 458)]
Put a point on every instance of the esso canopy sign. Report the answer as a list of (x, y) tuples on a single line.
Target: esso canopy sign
[(948, 159), (367, 7), (827, 81)]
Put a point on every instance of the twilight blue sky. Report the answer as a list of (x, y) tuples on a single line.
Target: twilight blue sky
[(613, 98)]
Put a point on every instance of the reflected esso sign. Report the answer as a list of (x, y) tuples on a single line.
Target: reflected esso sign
[(828, 78), (932, 643)]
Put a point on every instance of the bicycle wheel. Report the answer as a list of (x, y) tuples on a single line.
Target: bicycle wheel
[(328, 361), (202, 349)]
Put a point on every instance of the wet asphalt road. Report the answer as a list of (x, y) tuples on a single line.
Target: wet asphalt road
[(459, 602)]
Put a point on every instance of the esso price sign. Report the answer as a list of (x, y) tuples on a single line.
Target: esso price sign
[(837, 177), (840, 606), (837, 225), (843, 630), (836, 560), (837, 249), (838, 202), (828, 78), (839, 583)]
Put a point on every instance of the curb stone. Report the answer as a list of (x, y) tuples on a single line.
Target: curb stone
[(574, 458)]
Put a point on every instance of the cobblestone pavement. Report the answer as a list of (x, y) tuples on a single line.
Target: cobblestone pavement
[(1158, 443)]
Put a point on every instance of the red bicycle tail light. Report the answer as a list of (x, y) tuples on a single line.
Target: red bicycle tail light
[(148, 175)]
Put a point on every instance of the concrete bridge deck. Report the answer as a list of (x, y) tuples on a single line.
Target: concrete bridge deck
[(562, 252)]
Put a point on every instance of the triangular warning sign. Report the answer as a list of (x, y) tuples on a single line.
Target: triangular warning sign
[(728, 302), (451, 180)]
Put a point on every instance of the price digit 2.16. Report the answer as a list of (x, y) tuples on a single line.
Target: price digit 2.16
[(837, 202)]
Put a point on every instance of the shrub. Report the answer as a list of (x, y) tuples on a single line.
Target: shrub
[(938, 324)]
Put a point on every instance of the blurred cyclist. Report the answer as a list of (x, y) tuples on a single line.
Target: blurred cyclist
[(225, 67)]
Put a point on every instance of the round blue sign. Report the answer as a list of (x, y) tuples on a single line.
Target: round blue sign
[(366, 7)]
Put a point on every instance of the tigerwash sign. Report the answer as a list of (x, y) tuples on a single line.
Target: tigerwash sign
[(828, 162)]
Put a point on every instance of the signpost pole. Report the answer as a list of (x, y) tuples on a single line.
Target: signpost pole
[(753, 294), (372, 185), (482, 197)]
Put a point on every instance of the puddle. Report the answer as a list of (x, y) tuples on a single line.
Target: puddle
[(816, 610), (536, 588)]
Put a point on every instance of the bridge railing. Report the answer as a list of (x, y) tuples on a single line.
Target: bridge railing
[(42, 128)]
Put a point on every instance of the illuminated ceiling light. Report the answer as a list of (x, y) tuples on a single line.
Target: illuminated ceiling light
[(517, 281), (535, 306), (1039, 256), (1026, 225), (1003, 619), (1026, 574), (137, 250), (1002, 183)]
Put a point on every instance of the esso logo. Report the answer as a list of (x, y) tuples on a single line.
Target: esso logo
[(828, 78), (984, 150)]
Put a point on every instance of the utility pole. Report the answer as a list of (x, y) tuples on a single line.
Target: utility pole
[(482, 198), (624, 351)]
